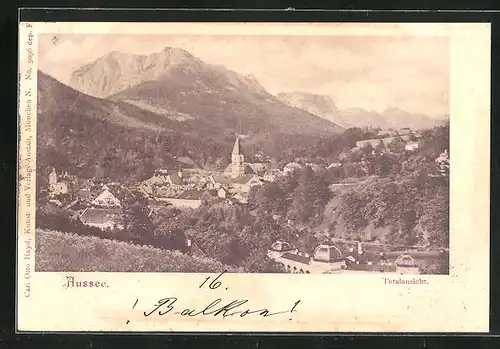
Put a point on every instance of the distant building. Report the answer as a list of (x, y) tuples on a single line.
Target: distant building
[(404, 131), (165, 177), (244, 183), (113, 195), (56, 187), (374, 142), (443, 161), (189, 199), (258, 167), (106, 199), (385, 133), (103, 218), (218, 181), (241, 198), (222, 193), (334, 165), (315, 167), (411, 146)]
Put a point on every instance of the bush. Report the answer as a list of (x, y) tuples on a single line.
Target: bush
[(441, 266)]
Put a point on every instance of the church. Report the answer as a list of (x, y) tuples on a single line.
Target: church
[(238, 168), (239, 176)]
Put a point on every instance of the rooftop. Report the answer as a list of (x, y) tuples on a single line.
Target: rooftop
[(100, 215)]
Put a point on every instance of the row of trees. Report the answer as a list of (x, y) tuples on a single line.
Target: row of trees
[(415, 209)]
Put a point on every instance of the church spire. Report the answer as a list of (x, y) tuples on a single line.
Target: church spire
[(237, 160), (236, 147)]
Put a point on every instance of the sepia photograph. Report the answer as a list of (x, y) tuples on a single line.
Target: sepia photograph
[(254, 177), (251, 154)]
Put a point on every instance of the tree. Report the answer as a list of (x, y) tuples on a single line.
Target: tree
[(269, 198), (310, 196), (382, 165), (367, 149), (397, 145), (380, 148), (137, 224), (435, 218)]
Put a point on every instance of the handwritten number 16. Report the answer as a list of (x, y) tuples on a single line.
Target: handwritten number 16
[(214, 284)]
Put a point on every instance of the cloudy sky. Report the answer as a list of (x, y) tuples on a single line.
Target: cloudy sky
[(375, 73)]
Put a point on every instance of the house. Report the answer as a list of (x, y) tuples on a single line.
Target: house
[(334, 165), (291, 167), (385, 133), (375, 142), (195, 177), (218, 181), (222, 193), (247, 169), (113, 195), (86, 195), (162, 177), (103, 218), (258, 167), (106, 199), (241, 198), (405, 131), (190, 199), (269, 177), (85, 184), (443, 161), (315, 167), (244, 183), (59, 188), (411, 146)]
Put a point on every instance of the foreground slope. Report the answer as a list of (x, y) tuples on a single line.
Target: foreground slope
[(57, 252)]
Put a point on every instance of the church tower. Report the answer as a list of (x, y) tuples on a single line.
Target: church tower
[(237, 160), (53, 177)]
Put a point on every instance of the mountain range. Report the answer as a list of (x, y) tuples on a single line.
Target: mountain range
[(325, 107), (133, 113), (175, 84)]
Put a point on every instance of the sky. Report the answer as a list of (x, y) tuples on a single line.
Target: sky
[(370, 72)]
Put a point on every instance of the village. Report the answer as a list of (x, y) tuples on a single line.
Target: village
[(101, 205)]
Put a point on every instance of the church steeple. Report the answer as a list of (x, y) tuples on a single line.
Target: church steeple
[(237, 160), (236, 147), (53, 177)]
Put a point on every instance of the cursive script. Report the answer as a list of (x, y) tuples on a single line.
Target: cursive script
[(215, 308), (218, 307)]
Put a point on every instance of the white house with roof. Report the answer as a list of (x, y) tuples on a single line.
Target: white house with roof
[(103, 217), (411, 146), (244, 183), (106, 199)]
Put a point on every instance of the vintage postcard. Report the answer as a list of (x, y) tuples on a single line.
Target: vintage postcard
[(256, 177)]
